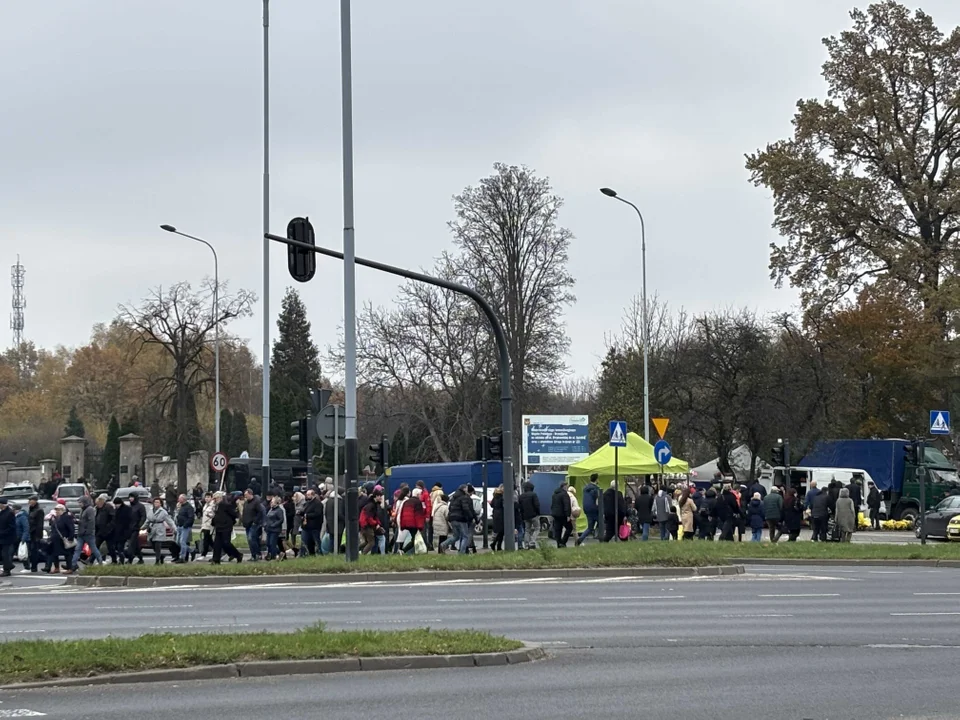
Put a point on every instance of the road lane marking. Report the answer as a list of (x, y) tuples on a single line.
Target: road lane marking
[(644, 597), (758, 615), (323, 602), (903, 646), (194, 627), (801, 595), (139, 607), (481, 600), (20, 632), (885, 572), (938, 593), (922, 614), (21, 712)]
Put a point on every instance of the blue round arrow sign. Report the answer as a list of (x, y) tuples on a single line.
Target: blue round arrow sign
[(662, 452)]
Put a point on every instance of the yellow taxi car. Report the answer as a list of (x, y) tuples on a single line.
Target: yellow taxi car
[(953, 528)]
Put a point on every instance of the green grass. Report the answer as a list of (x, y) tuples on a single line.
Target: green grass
[(631, 554), (25, 660)]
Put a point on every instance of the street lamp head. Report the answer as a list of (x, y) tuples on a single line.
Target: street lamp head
[(609, 192), (168, 228)]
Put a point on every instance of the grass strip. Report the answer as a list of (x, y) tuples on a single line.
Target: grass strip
[(630, 554), (26, 660)]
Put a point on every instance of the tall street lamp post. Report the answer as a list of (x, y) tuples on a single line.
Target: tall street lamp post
[(216, 324), (646, 326)]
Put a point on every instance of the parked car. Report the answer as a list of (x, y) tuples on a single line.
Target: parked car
[(937, 519), (141, 492), (71, 493), (953, 528), (18, 492)]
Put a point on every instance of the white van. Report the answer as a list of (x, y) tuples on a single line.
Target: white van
[(800, 478)]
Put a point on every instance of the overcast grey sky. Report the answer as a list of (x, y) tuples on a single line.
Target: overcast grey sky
[(119, 115)]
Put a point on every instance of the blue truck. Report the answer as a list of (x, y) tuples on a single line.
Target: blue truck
[(450, 475), (885, 463)]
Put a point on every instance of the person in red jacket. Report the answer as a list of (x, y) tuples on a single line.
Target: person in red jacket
[(370, 526), (410, 517), (427, 514)]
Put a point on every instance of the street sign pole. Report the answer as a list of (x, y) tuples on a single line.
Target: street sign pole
[(922, 478), (336, 478), (616, 486), (483, 480)]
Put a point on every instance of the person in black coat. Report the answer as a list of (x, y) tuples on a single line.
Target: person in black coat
[(8, 536), (856, 491), (874, 498), (728, 513), (562, 513), (614, 511), (122, 519), (644, 506), (103, 525), (792, 513), (224, 518), (35, 525), (138, 517), (529, 503), (707, 515), (498, 524)]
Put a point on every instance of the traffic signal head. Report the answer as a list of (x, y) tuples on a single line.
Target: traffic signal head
[(300, 439), (776, 454), (495, 446), (301, 263), (384, 452), (376, 457), (910, 453)]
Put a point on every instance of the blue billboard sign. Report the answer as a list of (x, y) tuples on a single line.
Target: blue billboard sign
[(549, 440)]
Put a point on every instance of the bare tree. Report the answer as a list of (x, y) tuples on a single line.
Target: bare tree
[(514, 253), (181, 322)]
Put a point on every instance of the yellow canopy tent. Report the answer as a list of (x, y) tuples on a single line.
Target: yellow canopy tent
[(634, 459)]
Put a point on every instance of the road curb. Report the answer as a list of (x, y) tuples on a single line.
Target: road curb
[(133, 581), (835, 562), (271, 668)]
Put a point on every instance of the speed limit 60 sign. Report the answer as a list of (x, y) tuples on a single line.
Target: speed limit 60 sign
[(219, 462)]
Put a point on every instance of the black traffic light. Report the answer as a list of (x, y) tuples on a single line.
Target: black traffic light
[(301, 263), (777, 456), (910, 453), (482, 447), (300, 439), (380, 455), (494, 446)]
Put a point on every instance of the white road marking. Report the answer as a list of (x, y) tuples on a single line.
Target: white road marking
[(885, 572), (938, 593), (22, 712), (902, 646), (480, 600), (139, 607), (802, 595), (322, 602), (759, 615), (922, 614), (645, 597), (197, 627), (545, 642), (20, 632)]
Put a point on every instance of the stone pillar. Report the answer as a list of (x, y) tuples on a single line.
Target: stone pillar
[(149, 469), (5, 471), (47, 468), (72, 451), (198, 469), (131, 460)]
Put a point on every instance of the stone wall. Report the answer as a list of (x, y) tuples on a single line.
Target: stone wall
[(165, 471), (31, 475)]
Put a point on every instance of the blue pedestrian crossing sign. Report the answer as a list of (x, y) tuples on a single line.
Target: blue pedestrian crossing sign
[(662, 452), (618, 433), (939, 422)]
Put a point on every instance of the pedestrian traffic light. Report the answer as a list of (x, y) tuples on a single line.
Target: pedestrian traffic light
[(300, 439), (494, 446), (910, 453), (482, 447), (301, 263)]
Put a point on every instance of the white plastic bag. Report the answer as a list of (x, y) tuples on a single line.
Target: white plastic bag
[(23, 552), (419, 546)]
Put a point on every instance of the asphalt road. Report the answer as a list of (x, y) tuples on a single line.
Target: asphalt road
[(778, 642)]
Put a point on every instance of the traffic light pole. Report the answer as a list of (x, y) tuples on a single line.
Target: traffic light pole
[(506, 397), (922, 478)]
